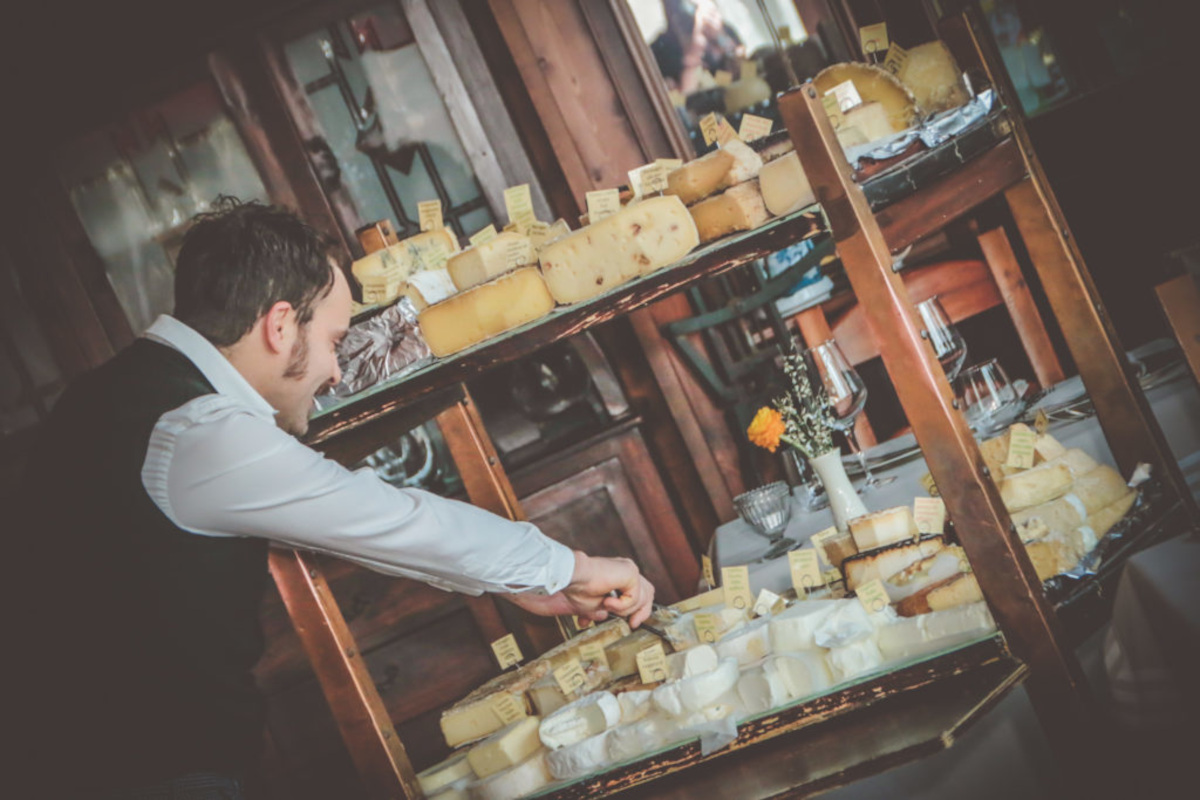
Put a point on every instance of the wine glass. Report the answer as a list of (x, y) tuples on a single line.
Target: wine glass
[(947, 342), (768, 509), (847, 396), (988, 400)]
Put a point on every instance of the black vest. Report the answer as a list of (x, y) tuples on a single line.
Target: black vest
[(144, 634)]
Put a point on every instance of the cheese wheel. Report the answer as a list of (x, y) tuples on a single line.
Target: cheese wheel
[(873, 85), (483, 262), (491, 308)]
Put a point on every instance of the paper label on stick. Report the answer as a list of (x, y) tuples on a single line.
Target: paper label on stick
[(753, 127), (516, 253), (430, 214), (707, 627), (805, 565), (538, 233), (896, 60), (930, 514), (594, 652), (570, 678), (767, 602), (736, 582), (725, 131), (602, 203), (652, 664), (1021, 444), (833, 111), (873, 596), (708, 127), (846, 95), (507, 651), (520, 206), (709, 577), (508, 708), (647, 179), (874, 39), (818, 541), (484, 236)]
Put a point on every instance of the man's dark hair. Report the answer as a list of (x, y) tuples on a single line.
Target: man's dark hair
[(240, 259)]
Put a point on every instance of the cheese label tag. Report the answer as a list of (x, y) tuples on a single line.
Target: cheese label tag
[(484, 236), (930, 514), (570, 678), (508, 708), (723, 77), (725, 131), (930, 486), (819, 540), (1041, 422), (433, 257), (1021, 444), (846, 95), (708, 127), (873, 596), (594, 652), (538, 232), (896, 60), (709, 578), (753, 127), (516, 252), (833, 111), (749, 69), (767, 603), (430, 214), (736, 582), (831, 576), (507, 651), (806, 570), (603, 203), (520, 206), (707, 625), (785, 34), (652, 664), (647, 179), (874, 39), (713, 597)]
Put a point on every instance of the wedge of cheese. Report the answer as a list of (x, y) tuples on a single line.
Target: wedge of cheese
[(1057, 516), (733, 163), (482, 263), (955, 591), (883, 528), (484, 311), (689, 695), (748, 644), (547, 695), (739, 208), (874, 85), (1035, 486), (380, 275), (637, 240), (475, 717), (852, 660), (1099, 488), (622, 654), (945, 563), (506, 748), (784, 186), (792, 630), (934, 78), (885, 562), (426, 288)]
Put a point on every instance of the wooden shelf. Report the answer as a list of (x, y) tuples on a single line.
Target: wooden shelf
[(857, 731)]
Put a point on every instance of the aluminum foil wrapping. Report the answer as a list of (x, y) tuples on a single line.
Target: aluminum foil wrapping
[(932, 131), (381, 348)]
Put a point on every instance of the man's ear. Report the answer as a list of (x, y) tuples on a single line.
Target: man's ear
[(279, 327)]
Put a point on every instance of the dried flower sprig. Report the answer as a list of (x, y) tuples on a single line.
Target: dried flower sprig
[(802, 417)]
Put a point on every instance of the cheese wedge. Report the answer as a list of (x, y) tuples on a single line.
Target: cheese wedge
[(486, 310), (852, 660), (691, 662), (510, 784), (883, 528), (934, 78), (785, 187), (1099, 488), (870, 120), (426, 288), (792, 630), (689, 695), (506, 748), (622, 654), (381, 275), (1035, 486), (873, 85), (739, 208), (637, 240), (1057, 516), (698, 179), (474, 717), (493, 258), (885, 562), (547, 695), (954, 591), (945, 563), (746, 645)]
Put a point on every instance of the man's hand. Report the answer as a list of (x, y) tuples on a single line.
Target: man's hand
[(589, 595)]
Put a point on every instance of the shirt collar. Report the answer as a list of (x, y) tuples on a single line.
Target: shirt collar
[(211, 362)]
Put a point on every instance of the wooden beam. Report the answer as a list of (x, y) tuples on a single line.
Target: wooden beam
[(1180, 298)]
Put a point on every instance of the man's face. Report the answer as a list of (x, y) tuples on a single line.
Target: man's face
[(312, 364)]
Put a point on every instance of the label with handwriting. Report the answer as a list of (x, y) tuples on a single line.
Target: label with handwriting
[(736, 582), (896, 60), (647, 179), (594, 652), (516, 253), (753, 127), (819, 541), (507, 651), (652, 664), (874, 38), (1021, 444), (725, 131), (708, 127), (767, 602), (508, 708), (846, 94), (806, 570), (520, 206), (708, 626), (538, 232), (484, 236), (873, 596), (832, 110), (430, 215), (570, 678), (930, 514), (602, 203), (709, 577)]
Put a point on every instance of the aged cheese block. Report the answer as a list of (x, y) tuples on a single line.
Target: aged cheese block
[(1035, 486), (474, 716), (547, 696), (481, 263), (934, 78), (871, 120), (637, 240), (698, 179), (602, 635), (883, 528), (748, 644), (682, 630), (429, 287), (579, 759), (582, 719), (911, 637), (622, 654), (792, 630), (1057, 516), (854, 659), (439, 776), (689, 695), (484, 311), (1098, 488), (873, 85), (954, 591), (946, 562), (784, 186), (381, 275), (739, 208), (506, 748), (773, 146), (525, 778)]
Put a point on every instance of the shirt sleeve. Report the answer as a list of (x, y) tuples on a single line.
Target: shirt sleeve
[(216, 469)]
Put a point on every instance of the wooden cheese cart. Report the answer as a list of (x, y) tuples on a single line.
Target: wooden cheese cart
[(906, 713)]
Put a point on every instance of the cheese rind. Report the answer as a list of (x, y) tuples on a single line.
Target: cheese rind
[(883, 528), (911, 637), (582, 719), (637, 240), (486, 310), (693, 661), (701, 177), (505, 748), (784, 186), (482, 263), (739, 208), (885, 562), (1035, 486)]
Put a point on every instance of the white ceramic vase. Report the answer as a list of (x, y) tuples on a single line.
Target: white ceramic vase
[(844, 502)]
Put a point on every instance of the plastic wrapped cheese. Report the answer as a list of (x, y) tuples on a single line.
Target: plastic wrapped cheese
[(579, 759), (739, 208), (792, 630), (689, 695), (849, 661), (584, 718)]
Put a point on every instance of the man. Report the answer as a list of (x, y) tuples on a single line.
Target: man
[(696, 39), (156, 486)]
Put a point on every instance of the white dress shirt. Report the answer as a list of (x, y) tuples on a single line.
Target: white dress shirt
[(219, 466)]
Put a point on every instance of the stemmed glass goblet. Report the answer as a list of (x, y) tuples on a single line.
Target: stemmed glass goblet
[(948, 344)]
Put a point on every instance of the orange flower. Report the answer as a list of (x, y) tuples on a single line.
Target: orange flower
[(766, 428)]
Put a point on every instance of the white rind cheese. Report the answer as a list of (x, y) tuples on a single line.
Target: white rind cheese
[(911, 637), (429, 287), (485, 311), (637, 739), (582, 719), (747, 645), (505, 749), (854, 659), (635, 705), (689, 695), (802, 674), (579, 759), (525, 778), (691, 662), (639, 239), (792, 630)]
